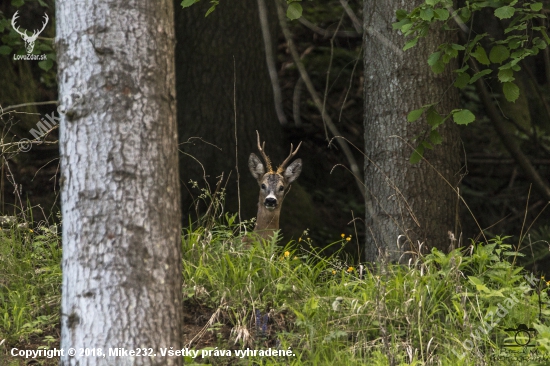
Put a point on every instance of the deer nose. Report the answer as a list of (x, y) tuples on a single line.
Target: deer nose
[(270, 202)]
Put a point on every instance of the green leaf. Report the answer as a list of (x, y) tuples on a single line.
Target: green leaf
[(505, 75), (433, 118), (498, 54), (545, 35), (442, 14), (505, 12), (188, 3), (511, 91), (416, 156), (433, 58), (463, 117), (401, 23), (5, 50), (17, 3), (458, 47), (435, 137), (432, 2), (480, 55), (438, 67), (478, 283), (46, 64), (536, 6), (294, 10), (465, 14), (411, 43), (462, 69), (462, 80), (426, 14), (414, 115), (401, 13), (211, 9), (480, 74)]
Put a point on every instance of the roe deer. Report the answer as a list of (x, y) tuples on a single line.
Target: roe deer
[(273, 187)]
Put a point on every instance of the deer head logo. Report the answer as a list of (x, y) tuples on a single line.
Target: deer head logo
[(29, 40)]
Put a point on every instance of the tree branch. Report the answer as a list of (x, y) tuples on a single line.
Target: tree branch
[(326, 33), (496, 119), (270, 60), (356, 23), (318, 102), (509, 143), (11, 107)]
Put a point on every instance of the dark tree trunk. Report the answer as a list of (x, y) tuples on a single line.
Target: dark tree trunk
[(120, 193), (207, 48), (409, 200)]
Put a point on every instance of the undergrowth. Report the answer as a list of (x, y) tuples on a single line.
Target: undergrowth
[(469, 307)]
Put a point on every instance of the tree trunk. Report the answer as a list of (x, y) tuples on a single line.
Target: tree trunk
[(120, 191), (412, 204), (207, 50)]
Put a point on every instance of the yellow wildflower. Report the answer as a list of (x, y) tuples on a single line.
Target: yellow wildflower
[(333, 271), (350, 269), (287, 253), (348, 238), (343, 235)]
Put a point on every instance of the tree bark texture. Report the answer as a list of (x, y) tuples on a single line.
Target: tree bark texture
[(207, 49), (412, 204), (120, 190)]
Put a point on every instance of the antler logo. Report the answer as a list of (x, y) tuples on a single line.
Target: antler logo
[(29, 40)]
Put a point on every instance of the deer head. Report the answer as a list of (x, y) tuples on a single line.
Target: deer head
[(29, 40), (274, 184)]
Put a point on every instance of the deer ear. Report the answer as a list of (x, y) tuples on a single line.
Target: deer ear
[(256, 167), (292, 172)]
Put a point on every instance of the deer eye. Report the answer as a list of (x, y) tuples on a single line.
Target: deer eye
[(281, 188), (263, 186)]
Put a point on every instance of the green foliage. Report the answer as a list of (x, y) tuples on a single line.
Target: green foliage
[(324, 308), (523, 36), (293, 11), (30, 276)]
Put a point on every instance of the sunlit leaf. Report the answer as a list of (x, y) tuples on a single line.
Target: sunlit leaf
[(536, 6), (511, 91), (505, 12), (188, 3), (505, 75), (463, 117), (294, 10)]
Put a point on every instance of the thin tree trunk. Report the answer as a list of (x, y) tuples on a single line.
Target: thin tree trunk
[(120, 189), (412, 204)]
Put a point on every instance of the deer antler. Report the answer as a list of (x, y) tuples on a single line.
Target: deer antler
[(266, 158), (282, 167), (15, 16), (34, 35)]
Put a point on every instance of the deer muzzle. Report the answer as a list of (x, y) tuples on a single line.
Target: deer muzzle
[(270, 202)]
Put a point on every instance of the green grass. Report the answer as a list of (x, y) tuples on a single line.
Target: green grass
[(290, 296)]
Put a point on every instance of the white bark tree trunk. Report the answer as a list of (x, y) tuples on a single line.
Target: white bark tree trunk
[(412, 203), (120, 190)]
